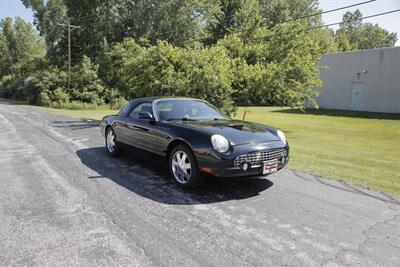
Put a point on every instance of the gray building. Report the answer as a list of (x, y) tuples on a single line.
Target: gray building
[(366, 80)]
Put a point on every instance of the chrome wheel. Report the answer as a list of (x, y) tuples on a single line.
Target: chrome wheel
[(110, 141), (181, 167)]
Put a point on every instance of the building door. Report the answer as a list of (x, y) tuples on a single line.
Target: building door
[(357, 96)]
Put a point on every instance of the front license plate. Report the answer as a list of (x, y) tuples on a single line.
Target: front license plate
[(270, 166)]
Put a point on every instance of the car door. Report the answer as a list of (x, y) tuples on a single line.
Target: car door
[(138, 131), (146, 134), (119, 125)]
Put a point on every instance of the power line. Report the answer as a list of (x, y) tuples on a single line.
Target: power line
[(299, 31), (351, 20), (294, 19), (314, 27), (92, 17), (303, 30), (329, 11)]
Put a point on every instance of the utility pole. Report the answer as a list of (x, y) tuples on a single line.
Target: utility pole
[(69, 28)]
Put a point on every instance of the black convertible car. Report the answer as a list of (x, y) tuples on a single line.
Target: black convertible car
[(196, 139)]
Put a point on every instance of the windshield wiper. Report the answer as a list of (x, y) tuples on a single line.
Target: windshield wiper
[(181, 119)]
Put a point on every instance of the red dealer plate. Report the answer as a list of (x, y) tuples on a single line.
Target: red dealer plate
[(270, 166)]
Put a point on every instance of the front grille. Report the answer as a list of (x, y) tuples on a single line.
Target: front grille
[(256, 158)]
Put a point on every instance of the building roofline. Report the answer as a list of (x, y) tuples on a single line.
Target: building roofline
[(363, 50)]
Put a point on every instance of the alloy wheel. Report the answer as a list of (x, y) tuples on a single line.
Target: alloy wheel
[(181, 167), (110, 141)]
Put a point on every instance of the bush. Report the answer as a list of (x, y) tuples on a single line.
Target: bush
[(164, 70), (273, 68), (49, 86), (87, 86), (60, 96), (16, 88), (43, 99), (118, 103)]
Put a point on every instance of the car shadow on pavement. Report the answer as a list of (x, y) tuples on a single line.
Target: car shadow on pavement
[(75, 125), (147, 175)]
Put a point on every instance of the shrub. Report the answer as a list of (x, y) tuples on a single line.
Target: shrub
[(43, 99), (87, 86), (273, 68), (164, 70), (60, 96), (118, 103), (5, 82), (49, 86)]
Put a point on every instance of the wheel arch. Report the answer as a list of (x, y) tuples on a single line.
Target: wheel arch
[(106, 128), (175, 143)]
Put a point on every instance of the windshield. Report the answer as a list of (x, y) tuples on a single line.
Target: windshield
[(187, 109)]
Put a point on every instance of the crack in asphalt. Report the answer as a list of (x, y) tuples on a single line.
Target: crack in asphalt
[(349, 188), (361, 246)]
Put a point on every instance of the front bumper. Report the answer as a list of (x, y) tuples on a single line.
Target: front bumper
[(220, 165)]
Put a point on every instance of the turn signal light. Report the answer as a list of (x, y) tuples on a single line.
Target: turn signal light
[(206, 170)]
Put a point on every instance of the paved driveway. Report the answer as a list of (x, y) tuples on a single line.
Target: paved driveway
[(64, 201)]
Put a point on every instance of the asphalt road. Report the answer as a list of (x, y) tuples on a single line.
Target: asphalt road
[(64, 201)]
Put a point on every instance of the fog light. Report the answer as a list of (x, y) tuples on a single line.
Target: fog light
[(245, 166)]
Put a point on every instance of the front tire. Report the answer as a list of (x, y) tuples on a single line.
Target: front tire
[(111, 142), (183, 167)]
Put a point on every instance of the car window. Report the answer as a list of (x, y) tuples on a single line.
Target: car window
[(124, 110), (143, 107), (187, 109)]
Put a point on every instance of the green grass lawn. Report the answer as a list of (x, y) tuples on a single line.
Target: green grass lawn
[(90, 114), (357, 147)]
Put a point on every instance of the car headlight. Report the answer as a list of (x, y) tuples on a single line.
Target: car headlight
[(220, 143), (282, 136)]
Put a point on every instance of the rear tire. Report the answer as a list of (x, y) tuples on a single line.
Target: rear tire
[(111, 142), (183, 167)]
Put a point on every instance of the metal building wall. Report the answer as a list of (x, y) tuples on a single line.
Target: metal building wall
[(367, 80)]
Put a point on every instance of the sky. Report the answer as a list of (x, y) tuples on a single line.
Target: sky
[(390, 22)]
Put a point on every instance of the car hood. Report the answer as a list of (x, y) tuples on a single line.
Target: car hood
[(236, 131)]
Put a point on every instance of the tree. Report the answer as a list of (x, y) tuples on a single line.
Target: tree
[(278, 11), (279, 71), (373, 36), (22, 49), (362, 35), (5, 59), (165, 70), (342, 42), (47, 16), (232, 16), (325, 39), (175, 21), (86, 85)]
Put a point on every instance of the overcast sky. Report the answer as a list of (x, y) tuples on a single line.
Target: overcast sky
[(390, 22)]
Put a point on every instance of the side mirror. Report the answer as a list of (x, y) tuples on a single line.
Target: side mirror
[(146, 116)]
